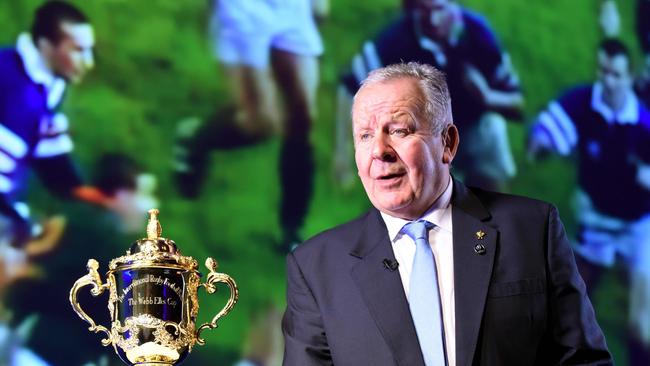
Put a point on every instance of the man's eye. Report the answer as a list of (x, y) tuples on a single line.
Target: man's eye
[(400, 132), (365, 137)]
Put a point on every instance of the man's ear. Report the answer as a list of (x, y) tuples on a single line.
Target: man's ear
[(450, 140), (45, 47)]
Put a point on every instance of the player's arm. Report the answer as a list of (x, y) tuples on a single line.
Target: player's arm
[(19, 226), (509, 103), (553, 130), (14, 148), (55, 167), (502, 94), (490, 74), (60, 175)]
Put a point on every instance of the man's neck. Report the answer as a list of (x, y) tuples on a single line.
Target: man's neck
[(615, 102), (451, 30)]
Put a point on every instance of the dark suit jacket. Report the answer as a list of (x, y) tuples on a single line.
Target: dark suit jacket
[(521, 302)]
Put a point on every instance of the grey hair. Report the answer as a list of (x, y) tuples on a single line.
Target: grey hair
[(433, 84)]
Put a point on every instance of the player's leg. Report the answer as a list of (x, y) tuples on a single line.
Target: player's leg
[(297, 77), (490, 160), (244, 36), (244, 62), (639, 319), (597, 241), (590, 256), (251, 115), (639, 285), (257, 111), (343, 168), (296, 47)]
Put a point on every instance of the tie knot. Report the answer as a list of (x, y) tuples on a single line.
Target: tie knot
[(417, 229)]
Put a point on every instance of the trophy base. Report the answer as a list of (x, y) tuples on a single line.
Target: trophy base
[(152, 354)]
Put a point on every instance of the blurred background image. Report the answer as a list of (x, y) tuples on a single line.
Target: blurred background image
[(233, 118)]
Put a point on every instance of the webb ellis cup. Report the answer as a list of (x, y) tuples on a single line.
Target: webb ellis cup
[(153, 300)]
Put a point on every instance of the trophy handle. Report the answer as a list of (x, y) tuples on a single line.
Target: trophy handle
[(212, 278), (92, 278)]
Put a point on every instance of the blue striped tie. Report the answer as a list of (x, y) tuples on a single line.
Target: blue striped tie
[(424, 296)]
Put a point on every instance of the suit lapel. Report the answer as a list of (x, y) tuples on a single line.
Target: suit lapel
[(383, 292), (472, 269)]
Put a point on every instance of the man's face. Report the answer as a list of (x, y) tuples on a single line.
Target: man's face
[(614, 74), (72, 57), (403, 167), (436, 17)]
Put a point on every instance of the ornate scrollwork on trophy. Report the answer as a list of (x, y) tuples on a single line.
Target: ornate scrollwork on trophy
[(153, 301), (168, 337), (192, 287)]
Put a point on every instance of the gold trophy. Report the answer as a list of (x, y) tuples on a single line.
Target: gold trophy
[(153, 300)]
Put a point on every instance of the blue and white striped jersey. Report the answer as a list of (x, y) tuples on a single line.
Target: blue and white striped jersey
[(610, 147), (33, 134), (475, 45)]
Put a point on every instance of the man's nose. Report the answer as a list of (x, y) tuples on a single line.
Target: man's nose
[(382, 149)]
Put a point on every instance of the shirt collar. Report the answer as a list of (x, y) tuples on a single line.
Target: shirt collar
[(629, 114), (38, 71), (438, 214)]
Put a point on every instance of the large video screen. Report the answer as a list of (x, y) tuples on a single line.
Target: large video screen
[(232, 118)]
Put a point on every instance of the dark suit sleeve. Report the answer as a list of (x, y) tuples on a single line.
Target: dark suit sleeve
[(305, 341), (574, 337)]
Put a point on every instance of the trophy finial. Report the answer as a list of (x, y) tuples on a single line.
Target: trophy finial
[(153, 227)]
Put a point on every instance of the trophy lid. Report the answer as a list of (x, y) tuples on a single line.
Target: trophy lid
[(153, 251)]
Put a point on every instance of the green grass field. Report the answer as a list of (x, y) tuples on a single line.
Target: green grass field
[(154, 66)]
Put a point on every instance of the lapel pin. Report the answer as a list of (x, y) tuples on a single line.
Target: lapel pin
[(479, 249), (480, 235)]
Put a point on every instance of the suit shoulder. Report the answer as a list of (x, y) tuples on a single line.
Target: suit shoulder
[(499, 203), (334, 240)]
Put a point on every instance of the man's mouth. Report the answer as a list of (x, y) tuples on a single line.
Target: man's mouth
[(390, 176)]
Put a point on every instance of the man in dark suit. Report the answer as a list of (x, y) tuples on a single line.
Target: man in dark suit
[(437, 273)]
